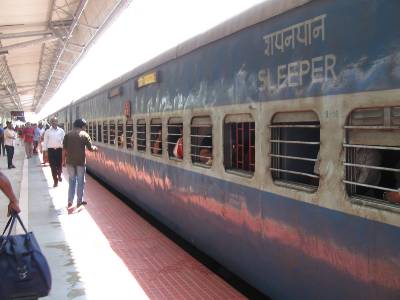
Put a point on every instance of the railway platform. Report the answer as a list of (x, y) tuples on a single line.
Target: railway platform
[(105, 250)]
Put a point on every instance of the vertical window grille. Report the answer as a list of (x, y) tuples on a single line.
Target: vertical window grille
[(175, 138), (105, 132), (100, 132), (372, 166), (141, 135), (120, 133), (90, 130), (239, 141), (94, 131), (112, 133), (129, 134), (156, 137), (295, 143), (201, 148)]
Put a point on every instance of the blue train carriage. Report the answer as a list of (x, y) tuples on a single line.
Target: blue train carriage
[(64, 118), (270, 142)]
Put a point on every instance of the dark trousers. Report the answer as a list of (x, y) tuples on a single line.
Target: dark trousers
[(10, 155), (2, 147), (55, 161)]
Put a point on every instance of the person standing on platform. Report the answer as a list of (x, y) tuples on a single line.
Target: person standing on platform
[(41, 132), (36, 137), (2, 146), (45, 156), (53, 144), (9, 140), (75, 143), (28, 133), (6, 188)]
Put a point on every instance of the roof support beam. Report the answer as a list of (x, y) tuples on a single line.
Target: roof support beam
[(88, 26), (28, 43), (65, 62), (72, 50), (79, 11), (24, 34)]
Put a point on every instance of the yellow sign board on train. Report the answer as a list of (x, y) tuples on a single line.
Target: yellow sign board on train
[(147, 79)]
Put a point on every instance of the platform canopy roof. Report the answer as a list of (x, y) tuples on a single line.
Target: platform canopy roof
[(40, 43)]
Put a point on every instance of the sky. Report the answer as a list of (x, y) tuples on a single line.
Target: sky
[(144, 30)]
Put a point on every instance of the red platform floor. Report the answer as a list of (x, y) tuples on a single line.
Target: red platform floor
[(109, 250), (162, 269)]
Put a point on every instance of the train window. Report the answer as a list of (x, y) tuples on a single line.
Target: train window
[(112, 133), (141, 135), (175, 138), (372, 165), (105, 132), (89, 130), (295, 143), (129, 134), (94, 132), (156, 137), (239, 138), (120, 134), (100, 132), (201, 148)]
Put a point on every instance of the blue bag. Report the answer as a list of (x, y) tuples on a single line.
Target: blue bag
[(24, 271)]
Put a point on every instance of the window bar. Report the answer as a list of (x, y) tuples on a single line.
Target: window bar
[(251, 146), (372, 167), (294, 126), (94, 131), (294, 157), (237, 145), (370, 186), (199, 146), (370, 147), (353, 173), (200, 136), (274, 135), (378, 127), (242, 129), (295, 142), (294, 172), (231, 147)]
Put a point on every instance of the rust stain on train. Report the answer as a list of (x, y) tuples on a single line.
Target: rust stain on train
[(356, 265)]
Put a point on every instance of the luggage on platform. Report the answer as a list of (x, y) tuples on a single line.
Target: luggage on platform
[(24, 271)]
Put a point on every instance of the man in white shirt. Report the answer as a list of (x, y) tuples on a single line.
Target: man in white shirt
[(53, 144), (41, 133), (9, 141)]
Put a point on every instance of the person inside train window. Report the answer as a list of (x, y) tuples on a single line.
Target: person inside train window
[(394, 197), (113, 137), (121, 139), (157, 142), (206, 151), (132, 140), (178, 148), (368, 176)]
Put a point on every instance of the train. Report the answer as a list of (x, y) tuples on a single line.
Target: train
[(271, 143)]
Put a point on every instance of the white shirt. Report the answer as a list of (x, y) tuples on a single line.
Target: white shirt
[(9, 137), (53, 138), (41, 131)]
